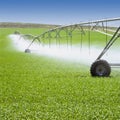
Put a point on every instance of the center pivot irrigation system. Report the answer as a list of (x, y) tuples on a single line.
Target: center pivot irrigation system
[(100, 67)]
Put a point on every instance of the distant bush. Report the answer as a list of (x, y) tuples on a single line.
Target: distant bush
[(25, 25)]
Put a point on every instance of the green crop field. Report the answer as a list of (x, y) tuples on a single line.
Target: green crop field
[(42, 88)]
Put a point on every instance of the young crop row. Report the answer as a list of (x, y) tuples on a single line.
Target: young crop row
[(39, 87)]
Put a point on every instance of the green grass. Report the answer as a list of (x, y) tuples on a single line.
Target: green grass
[(42, 88)]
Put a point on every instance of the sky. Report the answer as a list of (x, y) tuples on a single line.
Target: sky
[(61, 12)]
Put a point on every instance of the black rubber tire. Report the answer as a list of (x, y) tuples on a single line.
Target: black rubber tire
[(100, 68), (27, 51), (17, 32)]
